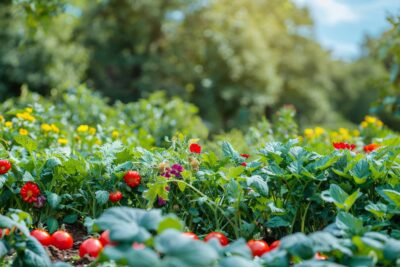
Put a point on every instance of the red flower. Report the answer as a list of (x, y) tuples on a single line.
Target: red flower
[(195, 148), (5, 166), (341, 145), (371, 147), (132, 178), (246, 156), (244, 164), (30, 192), (115, 196)]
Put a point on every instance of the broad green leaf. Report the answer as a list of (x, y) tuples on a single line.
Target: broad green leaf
[(53, 199), (298, 245), (169, 223), (26, 142), (34, 254), (52, 224), (393, 195), (257, 183), (349, 223), (360, 171), (391, 250), (102, 197), (235, 261)]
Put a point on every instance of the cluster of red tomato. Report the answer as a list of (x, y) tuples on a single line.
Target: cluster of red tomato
[(60, 239), (257, 247)]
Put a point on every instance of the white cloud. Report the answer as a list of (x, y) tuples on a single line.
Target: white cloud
[(330, 12)]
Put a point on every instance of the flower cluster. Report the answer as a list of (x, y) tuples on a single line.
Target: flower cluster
[(342, 145), (313, 133), (371, 147), (344, 134), (26, 116), (174, 170), (371, 121), (49, 128)]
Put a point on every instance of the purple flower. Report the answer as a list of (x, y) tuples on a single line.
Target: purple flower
[(161, 201), (41, 200), (176, 170), (167, 173)]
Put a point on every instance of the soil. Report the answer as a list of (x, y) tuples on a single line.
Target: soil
[(71, 256)]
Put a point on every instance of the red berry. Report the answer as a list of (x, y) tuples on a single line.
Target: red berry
[(62, 240), (5, 166), (223, 240), (4, 232), (115, 196), (132, 178), (258, 247), (191, 235), (91, 247), (42, 236)]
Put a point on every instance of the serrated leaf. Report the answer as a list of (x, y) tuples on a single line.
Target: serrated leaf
[(102, 197)]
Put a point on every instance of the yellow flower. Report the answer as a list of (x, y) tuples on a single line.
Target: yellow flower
[(8, 124), (379, 123), (370, 119), (309, 133), (92, 131), (319, 131), (25, 116), (55, 128), (23, 131), (343, 131), (115, 134), (356, 133), (83, 128), (62, 141), (46, 127), (98, 142), (1, 118), (29, 110), (364, 124)]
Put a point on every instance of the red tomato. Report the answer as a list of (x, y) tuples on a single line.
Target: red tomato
[(115, 196), (105, 239), (132, 178), (191, 235), (62, 240), (4, 232), (5, 166), (91, 247), (274, 245), (223, 240), (42, 236), (258, 247)]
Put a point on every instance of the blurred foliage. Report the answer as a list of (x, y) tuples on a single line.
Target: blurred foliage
[(237, 60)]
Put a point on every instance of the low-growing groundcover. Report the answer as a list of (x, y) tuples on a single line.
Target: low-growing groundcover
[(332, 197)]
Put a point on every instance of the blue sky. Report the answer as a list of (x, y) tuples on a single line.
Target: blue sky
[(342, 24)]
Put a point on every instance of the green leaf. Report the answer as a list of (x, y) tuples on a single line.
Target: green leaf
[(236, 261), (258, 184), (393, 196), (53, 199), (391, 250), (360, 171), (170, 223), (188, 252), (181, 186), (228, 151), (26, 142), (3, 249), (378, 209), (349, 223), (277, 221), (102, 197), (276, 258), (52, 224), (70, 219), (143, 258), (298, 245)]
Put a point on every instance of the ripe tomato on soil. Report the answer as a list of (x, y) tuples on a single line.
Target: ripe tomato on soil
[(91, 247), (274, 245), (42, 236), (191, 235), (62, 240), (258, 247), (223, 240), (132, 178)]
